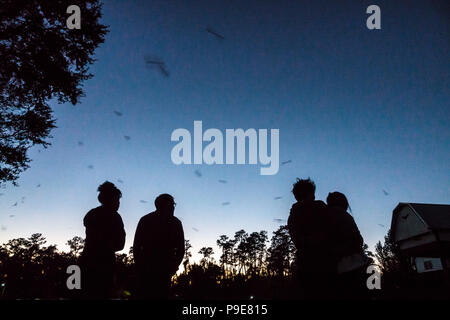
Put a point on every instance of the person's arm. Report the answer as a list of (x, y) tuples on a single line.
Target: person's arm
[(118, 237), (357, 238), (138, 244), (179, 250), (351, 240), (95, 238), (293, 229)]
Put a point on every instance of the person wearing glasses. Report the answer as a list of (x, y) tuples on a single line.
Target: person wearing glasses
[(158, 249)]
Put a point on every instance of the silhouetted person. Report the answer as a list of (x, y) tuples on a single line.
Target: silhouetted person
[(347, 248), (310, 230), (105, 235), (158, 249)]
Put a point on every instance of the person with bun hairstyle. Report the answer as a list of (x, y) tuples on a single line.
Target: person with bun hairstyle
[(105, 235)]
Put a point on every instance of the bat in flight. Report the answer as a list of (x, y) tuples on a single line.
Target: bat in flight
[(156, 62), (214, 33)]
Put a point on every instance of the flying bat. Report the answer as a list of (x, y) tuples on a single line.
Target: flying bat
[(198, 173), (225, 203), (90, 166), (118, 113), (119, 181), (381, 225), (142, 201), (278, 198), (163, 69), (127, 138), (195, 229), (211, 31), (385, 192), (223, 181), (286, 162), (80, 143), (156, 62), (279, 220)]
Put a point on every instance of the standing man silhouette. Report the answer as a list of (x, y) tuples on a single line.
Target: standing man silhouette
[(158, 249), (310, 229), (105, 235)]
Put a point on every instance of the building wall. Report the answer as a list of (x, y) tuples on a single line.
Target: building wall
[(424, 264), (408, 224), (419, 242)]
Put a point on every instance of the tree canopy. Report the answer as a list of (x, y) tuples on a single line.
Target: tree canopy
[(40, 59)]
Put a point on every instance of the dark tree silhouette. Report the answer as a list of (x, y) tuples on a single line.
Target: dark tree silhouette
[(241, 250), (76, 245), (31, 269), (226, 259), (368, 252), (40, 59), (207, 252), (388, 254), (187, 255), (281, 253)]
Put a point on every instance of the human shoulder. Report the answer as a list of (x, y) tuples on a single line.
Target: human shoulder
[(295, 207), (117, 218), (94, 210), (91, 215), (176, 220), (319, 203), (149, 217)]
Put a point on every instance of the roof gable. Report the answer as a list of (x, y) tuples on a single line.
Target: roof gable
[(422, 218), (436, 216), (407, 224)]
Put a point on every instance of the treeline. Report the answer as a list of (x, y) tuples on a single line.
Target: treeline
[(31, 269), (249, 265)]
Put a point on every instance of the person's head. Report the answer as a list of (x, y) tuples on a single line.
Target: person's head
[(165, 204), (109, 196), (337, 199), (304, 190)]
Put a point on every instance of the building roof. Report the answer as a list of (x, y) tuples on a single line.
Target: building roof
[(436, 216)]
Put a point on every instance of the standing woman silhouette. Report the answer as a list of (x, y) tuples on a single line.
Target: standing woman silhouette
[(105, 235)]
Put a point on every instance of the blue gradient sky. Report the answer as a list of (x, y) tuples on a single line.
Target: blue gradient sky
[(359, 111)]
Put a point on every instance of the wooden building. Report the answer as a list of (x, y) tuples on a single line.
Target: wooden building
[(422, 233)]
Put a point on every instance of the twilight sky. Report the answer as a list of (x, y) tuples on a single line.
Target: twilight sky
[(359, 111)]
